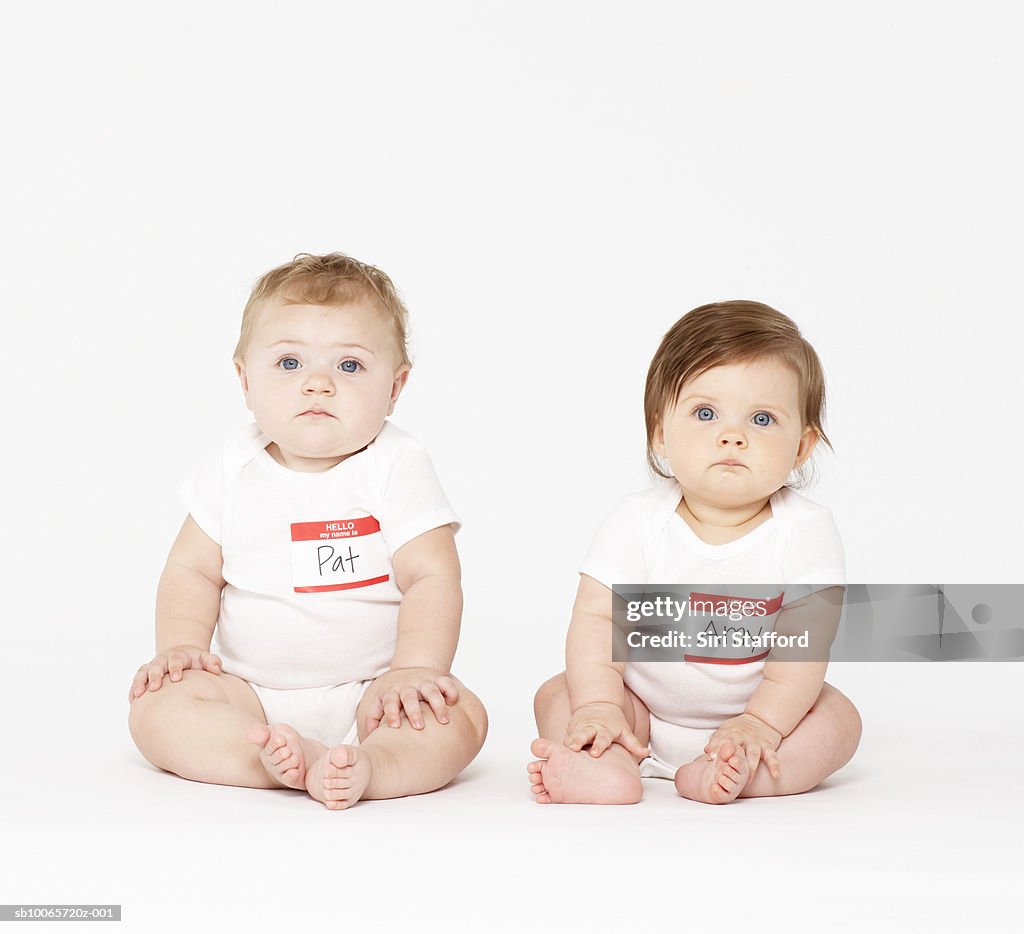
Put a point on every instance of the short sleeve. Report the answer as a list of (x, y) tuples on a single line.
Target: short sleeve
[(815, 558), (617, 552), (203, 496), (413, 501)]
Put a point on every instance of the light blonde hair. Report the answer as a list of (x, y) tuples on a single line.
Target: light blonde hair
[(330, 280), (731, 332)]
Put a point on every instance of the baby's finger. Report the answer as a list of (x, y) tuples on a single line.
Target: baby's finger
[(714, 743), (602, 740), (771, 759), (629, 740), (433, 696), (392, 709), (138, 687), (373, 716), (411, 704), (449, 688), (580, 738), (155, 674), (753, 754), (176, 661), (210, 662)]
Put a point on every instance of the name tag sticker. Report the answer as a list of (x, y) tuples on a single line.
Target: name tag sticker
[(725, 627), (341, 554)]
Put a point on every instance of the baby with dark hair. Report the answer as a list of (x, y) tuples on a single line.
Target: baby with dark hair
[(734, 407)]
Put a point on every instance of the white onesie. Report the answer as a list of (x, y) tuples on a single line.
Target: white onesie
[(310, 602), (645, 541)]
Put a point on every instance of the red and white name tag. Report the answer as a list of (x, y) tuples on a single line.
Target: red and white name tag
[(728, 624), (338, 555)]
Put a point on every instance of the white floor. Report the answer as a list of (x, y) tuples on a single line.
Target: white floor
[(922, 831)]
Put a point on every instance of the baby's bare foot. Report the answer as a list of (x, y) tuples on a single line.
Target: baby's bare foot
[(283, 752), (715, 781), (339, 777), (561, 776)]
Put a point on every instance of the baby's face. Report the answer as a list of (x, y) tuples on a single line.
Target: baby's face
[(321, 380), (744, 413)]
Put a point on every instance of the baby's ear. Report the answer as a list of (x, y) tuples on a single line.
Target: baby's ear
[(244, 380), (808, 441), (401, 378), (658, 440)]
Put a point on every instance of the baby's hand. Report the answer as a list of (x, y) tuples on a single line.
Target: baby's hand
[(402, 689), (151, 675), (600, 725), (757, 739)]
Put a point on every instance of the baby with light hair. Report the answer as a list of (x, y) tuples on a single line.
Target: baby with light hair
[(319, 550)]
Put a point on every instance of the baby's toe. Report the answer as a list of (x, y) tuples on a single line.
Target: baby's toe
[(728, 780), (726, 751), (542, 748), (258, 733), (338, 798), (279, 746), (338, 759)]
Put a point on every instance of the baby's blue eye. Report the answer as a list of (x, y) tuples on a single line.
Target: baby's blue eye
[(763, 419), (288, 363), (705, 413), (350, 366)]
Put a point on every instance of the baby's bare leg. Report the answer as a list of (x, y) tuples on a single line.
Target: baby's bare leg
[(412, 762), (563, 776), (391, 763), (196, 728), (822, 743)]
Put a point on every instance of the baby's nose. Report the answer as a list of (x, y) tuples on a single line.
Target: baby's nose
[(318, 383)]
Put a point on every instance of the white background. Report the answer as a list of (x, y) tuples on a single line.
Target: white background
[(551, 186)]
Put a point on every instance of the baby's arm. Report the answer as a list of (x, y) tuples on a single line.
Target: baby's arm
[(789, 688), (597, 694), (187, 607), (428, 573)]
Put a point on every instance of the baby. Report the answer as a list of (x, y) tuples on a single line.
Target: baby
[(734, 403), (320, 546)]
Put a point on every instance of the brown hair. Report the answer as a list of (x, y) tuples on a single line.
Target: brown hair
[(332, 280), (730, 332)]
